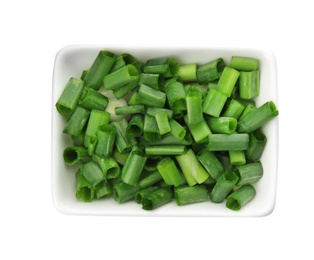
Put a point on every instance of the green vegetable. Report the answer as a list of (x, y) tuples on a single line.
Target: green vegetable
[(157, 198), (189, 195), (239, 198)]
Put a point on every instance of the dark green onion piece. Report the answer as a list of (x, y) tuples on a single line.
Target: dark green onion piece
[(177, 130), (157, 198), (169, 139), (84, 72), (93, 174), (123, 141), (189, 195), (70, 96), (211, 163), (249, 173), (227, 81), (133, 99), (123, 60), (223, 186), (133, 167), (256, 147), (194, 107), (120, 157), (258, 117), (151, 80), (153, 111), (200, 131), (106, 135), (151, 97), (151, 163), (109, 166), (84, 190), (244, 63), (151, 132), (77, 121), (163, 123), (192, 169), (169, 172), (127, 110), (237, 157), (176, 95), (222, 125), (135, 125), (165, 150), (227, 142), (234, 109), (167, 67), (143, 193), (249, 84), (74, 155), (123, 192), (248, 108), (120, 77), (214, 102), (92, 99), (126, 89), (104, 190), (187, 73), (150, 179), (210, 71), (239, 198), (99, 69)]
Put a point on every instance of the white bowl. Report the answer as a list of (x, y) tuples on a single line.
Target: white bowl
[(72, 60)]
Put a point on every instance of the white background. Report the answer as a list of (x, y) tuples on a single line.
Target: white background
[(32, 32)]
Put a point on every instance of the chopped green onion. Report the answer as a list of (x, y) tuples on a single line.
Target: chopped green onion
[(106, 135), (210, 71), (167, 67), (151, 80), (244, 63), (153, 111), (104, 190), (150, 179), (258, 117), (93, 174), (187, 73), (151, 97), (188, 195), (163, 123), (248, 109), (228, 142), (123, 192), (77, 121), (239, 198), (234, 109), (99, 69), (84, 190), (165, 150), (123, 60), (143, 193), (214, 102), (91, 144), (256, 147), (222, 125), (211, 163), (74, 155), (176, 95), (157, 198), (249, 173), (200, 131), (127, 110), (92, 99), (227, 81), (249, 84), (177, 130), (237, 157), (169, 172), (151, 132), (194, 107), (120, 157), (70, 96), (109, 166), (135, 126), (126, 89)]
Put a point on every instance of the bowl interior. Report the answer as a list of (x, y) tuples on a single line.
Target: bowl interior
[(72, 60)]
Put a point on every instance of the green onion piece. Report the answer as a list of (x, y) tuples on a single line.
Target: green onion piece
[(211, 163), (214, 102), (123, 141), (157, 198), (104, 190), (194, 107), (256, 147), (163, 123), (151, 163), (135, 125), (188, 195), (223, 157), (249, 173), (70, 96), (249, 84), (99, 69), (177, 130), (227, 142), (237, 157), (249, 108), (92, 99), (106, 135), (93, 174), (120, 157), (244, 63), (200, 131), (126, 89), (84, 72), (143, 193), (176, 95), (169, 139), (187, 73), (167, 67), (210, 71), (258, 117), (165, 150), (123, 60), (74, 155), (78, 140), (84, 190), (109, 166), (153, 111), (151, 80), (133, 167), (127, 110), (151, 132), (192, 169), (234, 109), (222, 125), (151, 97), (123, 192), (169, 172), (203, 88), (227, 81), (77, 121), (133, 99), (120, 77), (239, 198), (91, 144), (96, 119), (223, 186), (150, 179)]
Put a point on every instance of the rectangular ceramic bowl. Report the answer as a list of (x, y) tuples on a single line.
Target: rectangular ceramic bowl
[(72, 60)]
